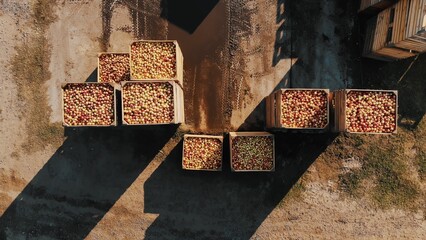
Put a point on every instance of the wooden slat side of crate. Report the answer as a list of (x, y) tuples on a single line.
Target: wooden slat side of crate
[(416, 17), (408, 23), (268, 109), (399, 20), (278, 109), (114, 123), (179, 62), (336, 111), (413, 45), (99, 65), (233, 135), (371, 7), (177, 102), (380, 34), (186, 136), (394, 53), (369, 36), (339, 111)]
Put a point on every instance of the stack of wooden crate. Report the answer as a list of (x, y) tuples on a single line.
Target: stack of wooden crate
[(154, 64), (150, 79), (397, 32)]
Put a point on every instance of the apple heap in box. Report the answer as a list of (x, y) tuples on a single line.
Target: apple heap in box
[(304, 109), (252, 153), (153, 60), (202, 153), (88, 104), (148, 103), (114, 67), (371, 111)]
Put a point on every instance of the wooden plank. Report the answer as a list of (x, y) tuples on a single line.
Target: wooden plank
[(278, 107), (270, 109), (268, 112), (370, 33)]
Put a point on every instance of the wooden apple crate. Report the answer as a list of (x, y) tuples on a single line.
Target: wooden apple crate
[(274, 110), (370, 7), (186, 136), (398, 32), (100, 68), (339, 103), (233, 135), (179, 62), (178, 100), (114, 123)]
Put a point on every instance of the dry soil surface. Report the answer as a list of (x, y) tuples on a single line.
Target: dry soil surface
[(127, 183)]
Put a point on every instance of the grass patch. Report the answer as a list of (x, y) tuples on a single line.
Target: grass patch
[(421, 161), (30, 70), (43, 14), (421, 148), (384, 165), (351, 182), (392, 187)]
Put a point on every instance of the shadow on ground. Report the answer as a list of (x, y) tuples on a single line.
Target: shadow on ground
[(186, 14), (324, 39), (225, 205), (81, 181)]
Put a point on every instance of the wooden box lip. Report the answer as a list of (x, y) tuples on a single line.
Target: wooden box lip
[(220, 138), (63, 85), (326, 90), (171, 82), (109, 53), (346, 91), (178, 60), (232, 135)]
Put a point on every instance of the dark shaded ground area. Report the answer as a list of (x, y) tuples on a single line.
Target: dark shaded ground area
[(81, 181), (186, 14), (225, 205), (325, 41)]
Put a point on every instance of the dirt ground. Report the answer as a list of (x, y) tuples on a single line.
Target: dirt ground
[(127, 182)]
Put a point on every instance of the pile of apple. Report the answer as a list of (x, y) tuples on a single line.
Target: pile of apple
[(252, 153), (114, 67), (202, 153), (88, 104), (153, 60), (148, 102), (304, 109), (370, 111)]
